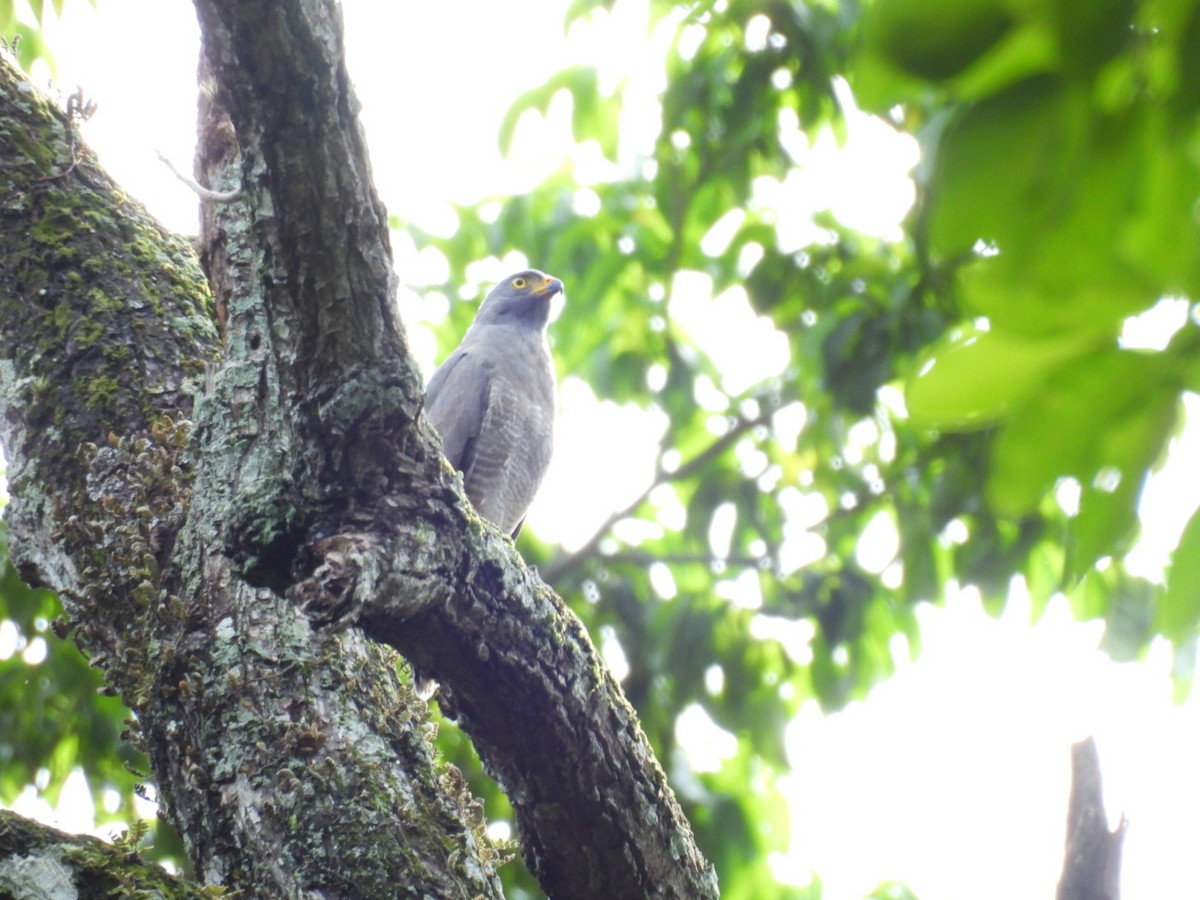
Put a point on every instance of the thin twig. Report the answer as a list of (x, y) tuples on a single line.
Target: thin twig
[(203, 192), (641, 558), (76, 159), (79, 109), (567, 564)]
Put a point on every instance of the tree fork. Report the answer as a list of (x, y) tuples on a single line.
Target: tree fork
[(193, 547), (288, 761)]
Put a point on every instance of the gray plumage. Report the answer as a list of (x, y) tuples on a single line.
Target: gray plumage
[(492, 400)]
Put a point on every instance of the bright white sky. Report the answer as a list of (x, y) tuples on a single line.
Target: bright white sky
[(953, 777)]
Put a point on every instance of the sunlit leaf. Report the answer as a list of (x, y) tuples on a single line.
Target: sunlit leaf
[(974, 377), (1124, 451), (1128, 626), (1003, 167), (935, 39), (1178, 612), (31, 47), (1061, 429)]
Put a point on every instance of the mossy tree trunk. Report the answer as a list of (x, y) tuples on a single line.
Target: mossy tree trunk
[(240, 525), (38, 862)]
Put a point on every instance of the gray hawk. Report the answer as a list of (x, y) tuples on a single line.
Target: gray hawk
[(492, 401)]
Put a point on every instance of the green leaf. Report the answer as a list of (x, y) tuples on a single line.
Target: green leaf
[(1090, 34), (1130, 616), (1082, 212), (1024, 52), (1160, 234), (593, 115), (934, 39), (1067, 428), (580, 9), (1179, 608), (972, 377), (1124, 451), (1091, 597), (1105, 523), (1003, 165)]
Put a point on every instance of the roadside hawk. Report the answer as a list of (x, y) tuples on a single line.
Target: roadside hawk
[(492, 400)]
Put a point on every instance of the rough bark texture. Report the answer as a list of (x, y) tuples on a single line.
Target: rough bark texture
[(40, 862), (290, 761), (216, 556), (1092, 865)]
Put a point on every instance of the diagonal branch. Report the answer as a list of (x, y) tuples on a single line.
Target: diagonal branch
[(353, 512), (518, 672), (565, 565)]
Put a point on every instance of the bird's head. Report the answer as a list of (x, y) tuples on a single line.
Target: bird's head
[(520, 299)]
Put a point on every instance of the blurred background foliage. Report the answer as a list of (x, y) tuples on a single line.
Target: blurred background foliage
[(961, 404)]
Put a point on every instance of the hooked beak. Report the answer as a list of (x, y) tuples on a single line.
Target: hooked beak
[(549, 287)]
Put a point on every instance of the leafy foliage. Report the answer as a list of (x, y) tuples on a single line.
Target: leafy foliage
[(21, 37), (853, 311), (1061, 178), (55, 714), (1054, 201)]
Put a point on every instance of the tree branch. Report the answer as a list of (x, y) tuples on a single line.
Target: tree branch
[(1092, 865), (290, 759), (642, 559), (206, 194), (564, 566), (520, 675), (105, 328), (38, 861), (373, 527)]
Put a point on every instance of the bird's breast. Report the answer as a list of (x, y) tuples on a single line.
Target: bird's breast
[(516, 437)]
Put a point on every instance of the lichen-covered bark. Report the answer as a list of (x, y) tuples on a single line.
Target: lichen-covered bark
[(593, 808), (236, 563), (36, 861), (290, 762), (387, 532), (104, 331)]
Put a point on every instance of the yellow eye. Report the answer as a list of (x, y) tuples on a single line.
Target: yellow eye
[(519, 283)]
